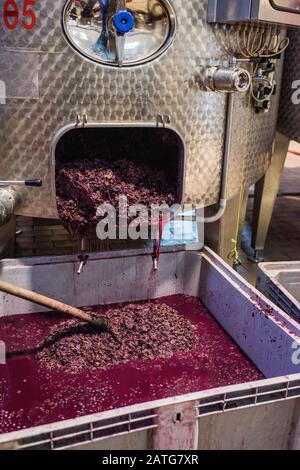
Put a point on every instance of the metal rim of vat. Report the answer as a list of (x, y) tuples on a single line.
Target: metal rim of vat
[(96, 59)]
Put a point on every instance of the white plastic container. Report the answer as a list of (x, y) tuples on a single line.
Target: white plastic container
[(280, 282)]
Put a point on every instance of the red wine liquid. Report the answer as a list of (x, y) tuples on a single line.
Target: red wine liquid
[(32, 395)]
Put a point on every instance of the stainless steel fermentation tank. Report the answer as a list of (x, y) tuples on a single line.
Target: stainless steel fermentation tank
[(289, 114), (288, 129), (153, 67)]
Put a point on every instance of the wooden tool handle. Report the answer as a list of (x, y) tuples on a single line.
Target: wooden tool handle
[(45, 301)]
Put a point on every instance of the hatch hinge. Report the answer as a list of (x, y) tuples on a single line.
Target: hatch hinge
[(162, 120), (81, 120)]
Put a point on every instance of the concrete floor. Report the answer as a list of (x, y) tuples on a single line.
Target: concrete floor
[(283, 242)]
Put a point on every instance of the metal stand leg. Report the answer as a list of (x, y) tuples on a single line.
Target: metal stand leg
[(265, 197), (243, 213), (219, 235)]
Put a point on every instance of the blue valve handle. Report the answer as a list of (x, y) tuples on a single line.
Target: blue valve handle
[(123, 22)]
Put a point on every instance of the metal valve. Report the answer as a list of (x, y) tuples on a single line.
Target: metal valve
[(123, 23), (228, 80)]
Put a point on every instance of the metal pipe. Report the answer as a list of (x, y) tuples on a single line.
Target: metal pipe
[(31, 182), (226, 158)]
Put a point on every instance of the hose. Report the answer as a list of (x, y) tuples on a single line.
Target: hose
[(226, 159), (295, 152)]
